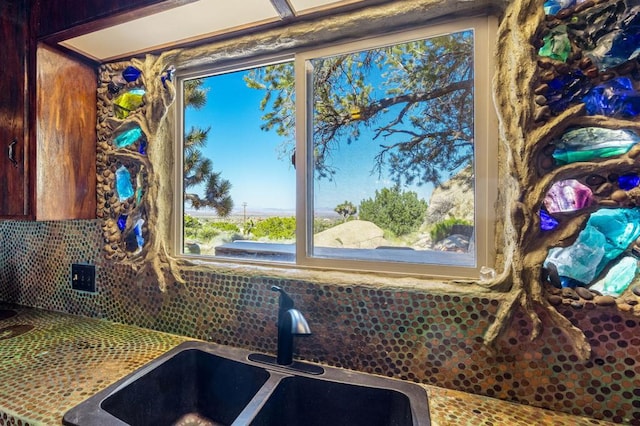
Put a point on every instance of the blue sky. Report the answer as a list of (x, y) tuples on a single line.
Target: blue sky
[(248, 156)]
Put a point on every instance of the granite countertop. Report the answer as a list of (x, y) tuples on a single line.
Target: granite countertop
[(50, 362)]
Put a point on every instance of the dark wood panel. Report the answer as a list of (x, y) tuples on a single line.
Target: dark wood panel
[(57, 20), (66, 137), (13, 183)]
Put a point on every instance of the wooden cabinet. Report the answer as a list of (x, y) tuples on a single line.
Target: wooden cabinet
[(65, 125), (48, 138), (14, 137)]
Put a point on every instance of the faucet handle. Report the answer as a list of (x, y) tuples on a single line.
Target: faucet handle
[(286, 302)]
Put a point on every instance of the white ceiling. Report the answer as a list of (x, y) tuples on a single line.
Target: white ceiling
[(192, 21)]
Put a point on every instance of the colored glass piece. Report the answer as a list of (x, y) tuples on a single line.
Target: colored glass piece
[(137, 230), (628, 181), (618, 278), (122, 222), (139, 185), (615, 98), (589, 26), (568, 196), (619, 43), (556, 44), (547, 222), (566, 89), (142, 147), (127, 102), (607, 234), (128, 137), (588, 143), (167, 75), (131, 73), (551, 7), (123, 183)]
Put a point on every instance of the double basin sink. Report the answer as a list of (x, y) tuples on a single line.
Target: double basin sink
[(206, 384)]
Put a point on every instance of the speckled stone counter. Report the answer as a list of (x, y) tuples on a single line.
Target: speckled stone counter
[(50, 362)]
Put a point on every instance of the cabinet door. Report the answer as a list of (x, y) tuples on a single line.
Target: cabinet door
[(14, 192)]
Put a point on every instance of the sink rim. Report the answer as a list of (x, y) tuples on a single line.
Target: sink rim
[(90, 410)]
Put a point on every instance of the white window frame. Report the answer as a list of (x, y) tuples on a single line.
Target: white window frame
[(485, 155)]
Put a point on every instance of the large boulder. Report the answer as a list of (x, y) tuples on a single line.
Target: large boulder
[(453, 199), (351, 234)]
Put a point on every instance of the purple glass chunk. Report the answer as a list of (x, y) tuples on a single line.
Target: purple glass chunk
[(131, 74), (628, 181), (568, 196), (547, 222), (615, 98)]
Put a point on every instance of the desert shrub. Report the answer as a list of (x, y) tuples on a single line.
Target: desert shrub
[(394, 210), (224, 226), (275, 228), (192, 226)]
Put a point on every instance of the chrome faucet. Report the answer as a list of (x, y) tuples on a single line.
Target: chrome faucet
[(291, 323)]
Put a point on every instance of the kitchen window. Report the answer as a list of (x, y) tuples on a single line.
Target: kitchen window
[(376, 155)]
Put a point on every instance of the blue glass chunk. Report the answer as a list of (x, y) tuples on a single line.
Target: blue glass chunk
[(588, 143), (122, 222), (618, 42), (131, 73), (128, 137), (137, 229), (167, 75), (628, 181), (547, 222), (566, 89), (551, 7), (615, 98), (142, 147), (607, 234), (123, 183)]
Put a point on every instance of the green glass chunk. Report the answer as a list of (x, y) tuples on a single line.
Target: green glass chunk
[(128, 102), (589, 143), (618, 278), (556, 44)]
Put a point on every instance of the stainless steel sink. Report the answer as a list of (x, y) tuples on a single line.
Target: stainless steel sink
[(208, 384)]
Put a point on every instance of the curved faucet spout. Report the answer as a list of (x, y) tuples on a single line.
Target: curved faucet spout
[(291, 323)]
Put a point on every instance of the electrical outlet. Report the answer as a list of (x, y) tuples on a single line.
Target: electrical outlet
[(83, 277)]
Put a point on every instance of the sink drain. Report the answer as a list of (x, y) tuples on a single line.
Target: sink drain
[(14, 330)]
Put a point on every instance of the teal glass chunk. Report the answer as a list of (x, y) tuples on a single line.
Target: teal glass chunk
[(556, 44), (128, 137), (123, 183), (607, 234), (139, 185), (128, 102), (616, 281), (590, 143)]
